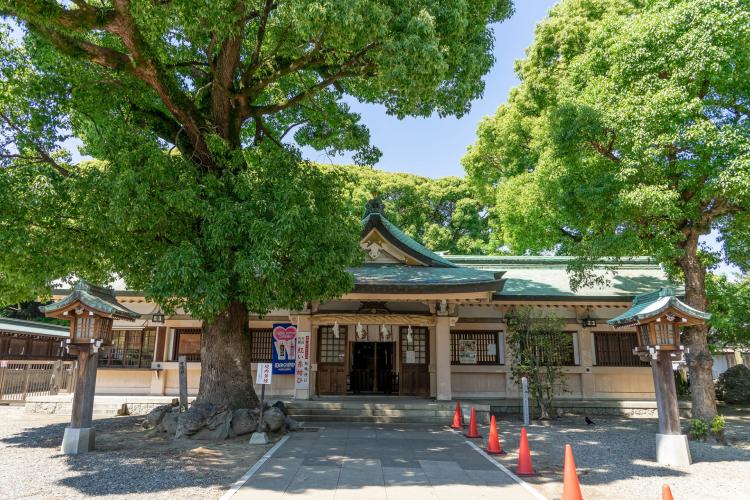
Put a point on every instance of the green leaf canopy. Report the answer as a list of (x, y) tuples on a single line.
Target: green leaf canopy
[(193, 112)]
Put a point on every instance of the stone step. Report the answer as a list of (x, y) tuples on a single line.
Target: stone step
[(377, 419), (300, 412)]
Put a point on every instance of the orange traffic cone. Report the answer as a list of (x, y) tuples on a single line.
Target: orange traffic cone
[(493, 442), (473, 432), (457, 420), (571, 488), (524, 456), (666, 493)]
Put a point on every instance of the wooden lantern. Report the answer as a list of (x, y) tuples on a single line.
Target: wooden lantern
[(658, 317), (91, 310)]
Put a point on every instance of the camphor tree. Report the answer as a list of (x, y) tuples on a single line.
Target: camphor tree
[(538, 349), (192, 110), (629, 134)]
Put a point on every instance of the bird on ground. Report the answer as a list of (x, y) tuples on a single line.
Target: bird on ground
[(589, 421)]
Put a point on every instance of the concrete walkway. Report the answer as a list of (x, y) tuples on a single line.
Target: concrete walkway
[(379, 462)]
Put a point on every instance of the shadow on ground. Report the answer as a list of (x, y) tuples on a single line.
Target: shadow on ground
[(129, 460)]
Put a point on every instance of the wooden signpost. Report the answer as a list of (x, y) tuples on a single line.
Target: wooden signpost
[(263, 378), (182, 365)]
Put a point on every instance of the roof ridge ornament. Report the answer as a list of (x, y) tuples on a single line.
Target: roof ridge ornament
[(374, 205)]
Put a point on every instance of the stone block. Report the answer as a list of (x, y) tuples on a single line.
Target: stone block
[(78, 440), (673, 450)]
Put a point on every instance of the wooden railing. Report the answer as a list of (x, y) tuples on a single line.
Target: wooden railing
[(20, 379)]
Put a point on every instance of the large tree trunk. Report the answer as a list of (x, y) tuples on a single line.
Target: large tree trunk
[(699, 358), (226, 379)]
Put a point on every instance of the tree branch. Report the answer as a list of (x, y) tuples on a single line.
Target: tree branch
[(603, 150), (43, 155), (255, 58)]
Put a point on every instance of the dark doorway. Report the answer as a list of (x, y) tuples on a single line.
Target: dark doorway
[(372, 368)]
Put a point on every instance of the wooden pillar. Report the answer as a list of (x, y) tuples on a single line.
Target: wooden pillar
[(80, 436), (666, 394), (443, 358), (161, 342), (83, 399)]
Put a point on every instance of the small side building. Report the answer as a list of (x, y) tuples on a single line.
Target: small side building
[(22, 340)]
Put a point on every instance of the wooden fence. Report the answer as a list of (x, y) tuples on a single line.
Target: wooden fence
[(20, 379)]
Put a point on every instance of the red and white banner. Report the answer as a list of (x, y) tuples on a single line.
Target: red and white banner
[(302, 365)]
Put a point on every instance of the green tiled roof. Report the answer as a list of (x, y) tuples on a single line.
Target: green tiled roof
[(650, 305), (401, 277), (13, 325), (547, 276), (95, 297), (413, 244)]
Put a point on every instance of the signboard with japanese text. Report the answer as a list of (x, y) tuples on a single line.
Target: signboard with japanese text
[(302, 370), (264, 375), (283, 348), (467, 352)]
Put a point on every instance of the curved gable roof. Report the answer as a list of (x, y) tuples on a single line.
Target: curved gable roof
[(402, 241)]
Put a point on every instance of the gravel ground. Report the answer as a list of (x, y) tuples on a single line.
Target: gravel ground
[(615, 459), (126, 464)]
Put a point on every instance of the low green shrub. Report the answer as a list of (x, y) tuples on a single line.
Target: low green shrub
[(698, 428), (733, 386), (717, 425)]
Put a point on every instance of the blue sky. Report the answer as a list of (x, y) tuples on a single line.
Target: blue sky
[(433, 147)]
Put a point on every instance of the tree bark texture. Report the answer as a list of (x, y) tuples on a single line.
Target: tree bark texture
[(226, 378), (698, 358)]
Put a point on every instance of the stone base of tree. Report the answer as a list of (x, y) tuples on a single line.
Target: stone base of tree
[(212, 422)]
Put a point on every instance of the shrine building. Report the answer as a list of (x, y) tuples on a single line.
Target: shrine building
[(416, 323)]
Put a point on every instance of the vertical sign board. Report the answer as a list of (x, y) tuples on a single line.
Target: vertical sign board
[(302, 370), (182, 379), (263, 378), (264, 375), (283, 348)]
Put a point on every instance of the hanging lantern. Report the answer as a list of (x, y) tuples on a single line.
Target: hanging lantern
[(409, 335), (336, 329)]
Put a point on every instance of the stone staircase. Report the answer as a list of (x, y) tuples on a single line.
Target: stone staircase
[(380, 412)]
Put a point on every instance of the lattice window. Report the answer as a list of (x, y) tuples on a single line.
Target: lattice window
[(416, 345), (664, 333), (645, 336), (147, 347), (616, 349), (330, 348), (261, 345), (487, 345), (130, 349)]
